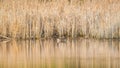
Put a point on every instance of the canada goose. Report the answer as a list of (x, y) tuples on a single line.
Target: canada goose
[(62, 40)]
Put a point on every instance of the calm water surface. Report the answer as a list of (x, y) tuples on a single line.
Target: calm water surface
[(79, 53)]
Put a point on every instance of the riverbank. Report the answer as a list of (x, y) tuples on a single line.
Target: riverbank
[(36, 19)]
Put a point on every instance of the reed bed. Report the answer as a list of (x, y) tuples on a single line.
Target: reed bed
[(25, 19)]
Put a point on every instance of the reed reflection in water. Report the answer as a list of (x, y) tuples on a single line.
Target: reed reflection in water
[(79, 53)]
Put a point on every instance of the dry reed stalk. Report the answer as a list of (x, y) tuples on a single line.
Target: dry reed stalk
[(46, 18)]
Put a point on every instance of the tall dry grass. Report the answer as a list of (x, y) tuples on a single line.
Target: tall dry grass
[(27, 19)]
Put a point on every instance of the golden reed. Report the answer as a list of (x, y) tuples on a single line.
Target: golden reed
[(25, 19)]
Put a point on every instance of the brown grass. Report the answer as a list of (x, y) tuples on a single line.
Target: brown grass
[(72, 18)]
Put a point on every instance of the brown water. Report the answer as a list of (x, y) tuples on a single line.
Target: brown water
[(79, 53)]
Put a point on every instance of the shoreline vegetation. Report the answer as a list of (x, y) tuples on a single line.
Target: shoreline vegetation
[(34, 19)]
